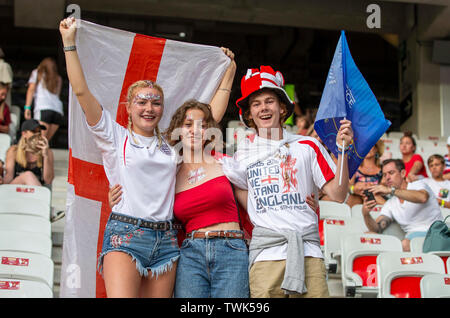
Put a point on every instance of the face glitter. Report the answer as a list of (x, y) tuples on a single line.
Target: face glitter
[(147, 97)]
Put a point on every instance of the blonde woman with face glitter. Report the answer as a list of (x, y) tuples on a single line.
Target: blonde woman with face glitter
[(140, 251)]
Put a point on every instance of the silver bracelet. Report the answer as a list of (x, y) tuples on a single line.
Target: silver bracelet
[(70, 48)]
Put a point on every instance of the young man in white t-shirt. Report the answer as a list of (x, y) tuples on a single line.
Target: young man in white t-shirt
[(437, 183), (280, 171), (412, 205)]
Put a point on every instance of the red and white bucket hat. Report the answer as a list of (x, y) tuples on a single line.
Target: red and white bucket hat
[(257, 79)]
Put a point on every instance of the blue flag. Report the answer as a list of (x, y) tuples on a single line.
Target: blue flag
[(347, 95)]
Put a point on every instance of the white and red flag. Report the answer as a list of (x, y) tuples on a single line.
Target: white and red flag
[(112, 60)]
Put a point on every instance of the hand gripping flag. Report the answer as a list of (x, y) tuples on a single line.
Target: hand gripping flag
[(112, 60), (347, 95)]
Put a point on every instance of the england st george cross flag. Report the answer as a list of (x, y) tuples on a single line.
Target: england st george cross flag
[(347, 95), (112, 60)]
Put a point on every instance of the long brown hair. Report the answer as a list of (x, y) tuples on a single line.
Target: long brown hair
[(180, 115), (48, 71)]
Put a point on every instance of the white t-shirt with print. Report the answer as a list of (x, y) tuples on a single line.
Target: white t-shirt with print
[(440, 188), (413, 217), (43, 98), (278, 202), (145, 172)]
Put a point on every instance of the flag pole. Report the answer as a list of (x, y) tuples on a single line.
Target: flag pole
[(342, 161)]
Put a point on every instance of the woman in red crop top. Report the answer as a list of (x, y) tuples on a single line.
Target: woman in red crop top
[(414, 164), (213, 257)]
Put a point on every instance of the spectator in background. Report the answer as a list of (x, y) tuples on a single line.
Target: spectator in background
[(412, 205), (5, 115), (44, 86), (302, 123), (447, 161), (367, 175), (414, 165), (30, 162), (6, 75), (436, 182)]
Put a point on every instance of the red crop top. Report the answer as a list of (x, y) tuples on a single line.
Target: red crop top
[(209, 203)]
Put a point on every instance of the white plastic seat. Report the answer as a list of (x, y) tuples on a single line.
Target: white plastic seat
[(25, 242), (357, 211), (16, 288), (358, 261), (26, 266), (399, 273), (22, 199), (333, 230), (5, 143), (25, 192), (435, 286), (331, 209), (30, 207), (25, 223), (417, 246), (395, 134), (446, 212)]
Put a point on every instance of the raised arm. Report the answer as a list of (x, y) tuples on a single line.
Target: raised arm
[(220, 100), (29, 99), (91, 107), (332, 188)]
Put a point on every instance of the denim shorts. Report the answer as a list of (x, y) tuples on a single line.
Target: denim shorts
[(212, 268), (153, 250)]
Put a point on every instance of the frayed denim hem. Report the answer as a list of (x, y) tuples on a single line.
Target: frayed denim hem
[(162, 269), (142, 270)]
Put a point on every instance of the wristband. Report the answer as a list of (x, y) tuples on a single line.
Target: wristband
[(70, 48), (340, 147), (442, 203), (352, 189), (27, 107)]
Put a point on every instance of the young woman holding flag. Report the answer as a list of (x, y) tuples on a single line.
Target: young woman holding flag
[(139, 254)]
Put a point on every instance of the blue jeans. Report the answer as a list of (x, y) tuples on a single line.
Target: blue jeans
[(212, 268), (151, 249)]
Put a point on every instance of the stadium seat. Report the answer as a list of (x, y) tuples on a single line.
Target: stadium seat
[(357, 211), (25, 242), (22, 199), (399, 273), (395, 134), (15, 288), (5, 143), (417, 245), (15, 110), (25, 207), (435, 286), (330, 209), (333, 230), (235, 124), (25, 223), (358, 261), (26, 266), (446, 212)]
